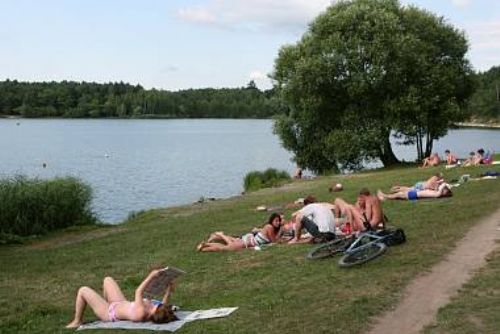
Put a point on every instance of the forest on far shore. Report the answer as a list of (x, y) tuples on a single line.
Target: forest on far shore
[(71, 99)]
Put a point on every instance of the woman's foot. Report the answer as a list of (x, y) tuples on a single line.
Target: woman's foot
[(380, 195), (74, 324), (214, 236), (200, 246)]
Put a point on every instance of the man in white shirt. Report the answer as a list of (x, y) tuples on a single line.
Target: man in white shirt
[(317, 219)]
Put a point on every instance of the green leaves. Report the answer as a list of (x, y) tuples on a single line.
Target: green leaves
[(366, 69)]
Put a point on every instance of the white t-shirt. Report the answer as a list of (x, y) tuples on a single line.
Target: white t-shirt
[(321, 214)]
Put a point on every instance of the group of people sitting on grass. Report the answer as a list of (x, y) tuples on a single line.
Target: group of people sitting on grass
[(321, 220), (480, 157)]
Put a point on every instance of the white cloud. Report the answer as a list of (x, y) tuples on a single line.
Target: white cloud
[(257, 75), (484, 35), (484, 38), (462, 4), (197, 14), (255, 14)]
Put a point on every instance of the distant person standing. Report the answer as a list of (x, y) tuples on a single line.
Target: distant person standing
[(298, 173), (451, 159)]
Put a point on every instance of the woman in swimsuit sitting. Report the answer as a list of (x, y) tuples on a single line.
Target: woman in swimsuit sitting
[(219, 241), (113, 305)]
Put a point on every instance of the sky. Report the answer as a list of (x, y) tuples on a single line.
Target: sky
[(174, 44)]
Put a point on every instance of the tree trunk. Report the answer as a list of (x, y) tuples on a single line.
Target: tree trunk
[(387, 155), (419, 146), (428, 145)]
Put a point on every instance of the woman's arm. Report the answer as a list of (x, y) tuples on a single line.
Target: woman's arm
[(168, 292), (139, 292)]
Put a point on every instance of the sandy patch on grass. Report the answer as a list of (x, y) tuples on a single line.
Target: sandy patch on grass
[(69, 239), (427, 293)]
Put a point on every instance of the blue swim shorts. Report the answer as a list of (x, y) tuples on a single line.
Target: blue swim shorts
[(412, 195)]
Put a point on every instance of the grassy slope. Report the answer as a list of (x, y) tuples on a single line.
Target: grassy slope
[(476, 308), (277, 290)]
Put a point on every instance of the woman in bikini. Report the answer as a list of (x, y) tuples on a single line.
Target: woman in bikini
[(113, 305), (219, 241)]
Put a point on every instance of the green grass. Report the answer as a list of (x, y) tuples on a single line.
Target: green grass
[(277, 290), (476, 308)]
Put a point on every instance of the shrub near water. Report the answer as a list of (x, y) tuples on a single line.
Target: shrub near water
[(269, 178), (32, 206)]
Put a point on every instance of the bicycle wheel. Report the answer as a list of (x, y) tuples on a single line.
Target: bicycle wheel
[(329, 249), (363, 254)]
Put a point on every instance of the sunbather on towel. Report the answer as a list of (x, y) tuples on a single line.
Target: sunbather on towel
[(219, 241), (113, 305), (431, 183), (444, 190)]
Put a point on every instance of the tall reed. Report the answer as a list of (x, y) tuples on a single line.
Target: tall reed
[(31, 206), (269, 178)]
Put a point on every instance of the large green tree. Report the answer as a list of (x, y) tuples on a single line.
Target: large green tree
[(366, 70)]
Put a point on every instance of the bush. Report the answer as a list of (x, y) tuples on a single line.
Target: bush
[(269, 178), (31, 206)]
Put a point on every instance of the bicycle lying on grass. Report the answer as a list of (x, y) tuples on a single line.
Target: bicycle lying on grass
[(364, 247)]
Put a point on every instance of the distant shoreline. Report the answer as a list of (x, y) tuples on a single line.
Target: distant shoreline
[(478, 125)]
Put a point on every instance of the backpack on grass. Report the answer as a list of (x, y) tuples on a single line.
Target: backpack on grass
[(394, 237)]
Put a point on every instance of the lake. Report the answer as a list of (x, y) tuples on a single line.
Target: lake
[(140, 164)]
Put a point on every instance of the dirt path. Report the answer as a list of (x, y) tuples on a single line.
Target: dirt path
[(427, 293)]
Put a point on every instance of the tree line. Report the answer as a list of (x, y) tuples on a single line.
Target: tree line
[(485, 102), (83, 100)]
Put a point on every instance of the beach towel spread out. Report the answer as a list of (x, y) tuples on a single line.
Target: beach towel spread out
[(184, 317)]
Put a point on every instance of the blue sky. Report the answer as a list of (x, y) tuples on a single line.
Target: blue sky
[(173, 44)]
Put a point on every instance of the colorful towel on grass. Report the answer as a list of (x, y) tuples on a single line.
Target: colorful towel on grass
[(184, 317)]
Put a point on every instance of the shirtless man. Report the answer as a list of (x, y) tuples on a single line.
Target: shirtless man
[(366, 212), (431, 183), (431, 161), (451, 159)]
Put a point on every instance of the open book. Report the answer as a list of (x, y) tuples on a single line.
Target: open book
[(159, 284)]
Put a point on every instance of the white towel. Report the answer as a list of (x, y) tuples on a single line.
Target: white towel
[(184, 316)]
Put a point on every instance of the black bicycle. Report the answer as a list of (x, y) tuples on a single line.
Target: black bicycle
[(360, 249)]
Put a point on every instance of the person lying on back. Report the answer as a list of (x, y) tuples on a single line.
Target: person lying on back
[(431, 183), (444, 190)]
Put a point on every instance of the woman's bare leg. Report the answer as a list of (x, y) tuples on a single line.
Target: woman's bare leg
[(111, 290), (217, 247), (226, 238), (88, 296)]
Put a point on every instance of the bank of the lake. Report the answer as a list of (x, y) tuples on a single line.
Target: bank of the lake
[(272, 287), (135, 165)]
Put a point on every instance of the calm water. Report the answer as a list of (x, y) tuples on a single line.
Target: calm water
[(140, 164)]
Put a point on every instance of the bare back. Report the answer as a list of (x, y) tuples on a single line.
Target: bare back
[(373, 210)]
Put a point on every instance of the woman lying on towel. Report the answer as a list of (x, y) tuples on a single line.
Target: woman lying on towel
[(113, 305), (444, 190), (219, 241)]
